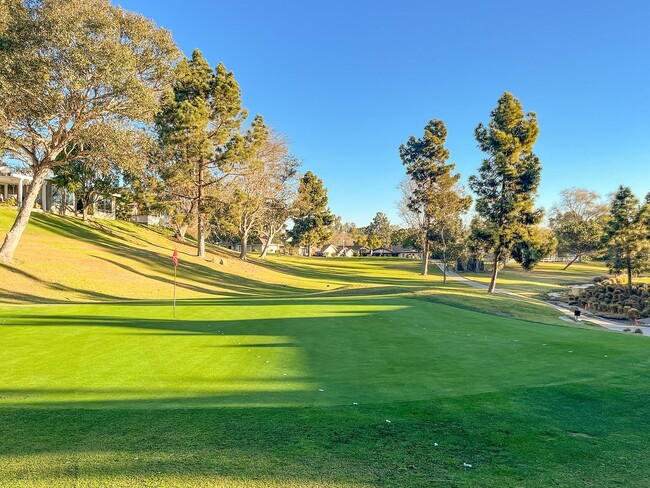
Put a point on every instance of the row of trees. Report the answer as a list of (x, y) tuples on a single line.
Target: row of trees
[(103, 98), (618, 231), (506, 222)]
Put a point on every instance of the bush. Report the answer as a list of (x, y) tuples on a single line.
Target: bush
[(633, 313), (11, 202)]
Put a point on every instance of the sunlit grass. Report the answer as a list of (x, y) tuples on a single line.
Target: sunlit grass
[(299, 372), (544, 278)]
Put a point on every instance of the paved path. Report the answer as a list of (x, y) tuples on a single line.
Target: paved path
[(565, 309)]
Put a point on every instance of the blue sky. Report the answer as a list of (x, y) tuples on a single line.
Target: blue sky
[(349, 81)]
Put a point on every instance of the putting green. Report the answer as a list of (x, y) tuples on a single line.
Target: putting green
[(313, 391)]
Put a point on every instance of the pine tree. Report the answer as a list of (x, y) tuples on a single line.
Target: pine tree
[(312, 218), (627, 235), (379, 231), (198, 128), (508, 178), (433, 195)]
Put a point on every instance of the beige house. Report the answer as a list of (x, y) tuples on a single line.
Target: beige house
[(328, 250), (344, 252)]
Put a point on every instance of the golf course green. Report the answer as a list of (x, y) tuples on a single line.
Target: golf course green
[(353, 373)]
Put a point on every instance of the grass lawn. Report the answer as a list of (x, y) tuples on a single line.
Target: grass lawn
[(300, 372), (544, 278)]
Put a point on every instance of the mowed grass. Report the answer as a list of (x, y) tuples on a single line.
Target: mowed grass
[(352, 373), (544, 278)]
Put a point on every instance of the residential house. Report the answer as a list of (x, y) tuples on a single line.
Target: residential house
[(255, 245), (344, 252), (328, 250), (360, 250), (304, 251), (382, 251), (14, 187), (406, 252)]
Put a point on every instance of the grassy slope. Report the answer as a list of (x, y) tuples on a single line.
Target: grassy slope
[(228, 394), (64, 259), (547, 277)]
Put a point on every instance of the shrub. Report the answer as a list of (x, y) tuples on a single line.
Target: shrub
[(633, 313), (11, 202)]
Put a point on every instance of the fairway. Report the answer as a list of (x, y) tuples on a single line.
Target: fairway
[(298, 372), (315, 391)]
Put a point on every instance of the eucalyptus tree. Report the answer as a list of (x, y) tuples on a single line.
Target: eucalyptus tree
[(77, 78), (281, 184), (507, 180), (198, 130), (446, 204), (89, 182), (247, 191), (578, 222)]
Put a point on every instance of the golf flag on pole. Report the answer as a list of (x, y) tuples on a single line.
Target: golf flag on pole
[(175, 259)]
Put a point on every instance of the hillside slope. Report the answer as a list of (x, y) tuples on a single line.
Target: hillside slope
[(65, 259)]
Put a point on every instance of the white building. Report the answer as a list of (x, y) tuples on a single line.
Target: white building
[(14, 187)]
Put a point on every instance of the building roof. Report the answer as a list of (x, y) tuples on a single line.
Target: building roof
[(401, 249)]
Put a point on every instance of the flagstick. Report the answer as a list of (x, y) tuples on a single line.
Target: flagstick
[(174, 291)]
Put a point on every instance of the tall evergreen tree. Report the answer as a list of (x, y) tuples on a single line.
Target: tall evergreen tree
[(432, 193), (312, 218), (508, 178), (627, 235), (198, 128), (379, 231)]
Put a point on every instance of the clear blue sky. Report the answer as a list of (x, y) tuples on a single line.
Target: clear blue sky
[(349, 81)]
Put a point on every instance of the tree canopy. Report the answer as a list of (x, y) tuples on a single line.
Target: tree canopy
[(312, 217), (507, 180), (78, 79)]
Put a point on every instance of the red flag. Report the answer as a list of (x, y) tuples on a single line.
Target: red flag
[(175, 258)]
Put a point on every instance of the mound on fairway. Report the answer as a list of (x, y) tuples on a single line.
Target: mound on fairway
[(351, 373)]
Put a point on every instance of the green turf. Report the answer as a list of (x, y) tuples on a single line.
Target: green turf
[(118, 393), (230, 393)]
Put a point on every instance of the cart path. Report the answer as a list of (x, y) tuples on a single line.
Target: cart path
[(586, 316)]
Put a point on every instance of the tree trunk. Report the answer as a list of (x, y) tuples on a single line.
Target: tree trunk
[(425, 257), (629, 275), (309, 249), (64, 202), (200, 231), (244, 245), (573, 261), (181, 230), (268, 242), (13, 236), (84, 211), (444, 266), (495, 271)]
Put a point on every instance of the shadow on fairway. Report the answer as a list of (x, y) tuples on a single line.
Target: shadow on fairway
[(527, 436)]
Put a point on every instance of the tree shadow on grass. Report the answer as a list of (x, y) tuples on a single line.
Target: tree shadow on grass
[(343, 269), (209, 432), (575, 435)]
